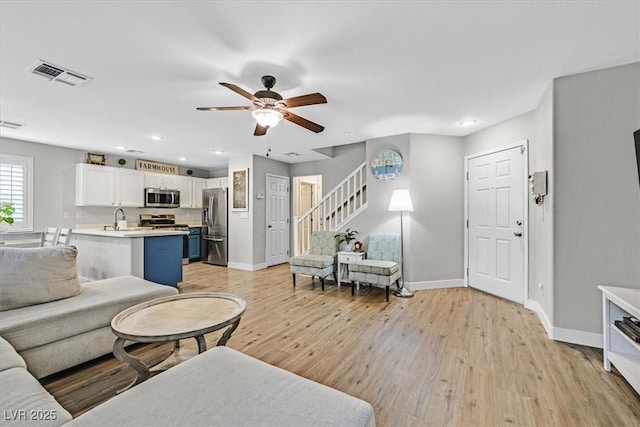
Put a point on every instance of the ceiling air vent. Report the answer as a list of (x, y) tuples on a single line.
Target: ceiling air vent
[(58, 74), (132, 151), (10, 125)]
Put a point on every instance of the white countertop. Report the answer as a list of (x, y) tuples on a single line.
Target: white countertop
[(128, 233)]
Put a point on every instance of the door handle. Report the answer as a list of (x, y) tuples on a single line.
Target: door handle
[(518, 234), (213, 239), (269, 226)]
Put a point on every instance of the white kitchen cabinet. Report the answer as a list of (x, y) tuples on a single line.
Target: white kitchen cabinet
[(218, 182), (185, 186), (160, 180), (108, 186), (198, 185), (129, 188)]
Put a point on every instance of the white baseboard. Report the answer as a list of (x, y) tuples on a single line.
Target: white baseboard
[(535, 306), (247, 267), (572, 336), (578, 337), (434, 284)]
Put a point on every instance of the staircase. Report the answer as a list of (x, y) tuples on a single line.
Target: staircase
[(343, 203)]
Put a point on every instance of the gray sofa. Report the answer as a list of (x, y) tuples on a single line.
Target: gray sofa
[(52, 320)]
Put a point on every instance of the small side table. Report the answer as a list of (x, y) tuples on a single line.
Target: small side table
[(347, 258)]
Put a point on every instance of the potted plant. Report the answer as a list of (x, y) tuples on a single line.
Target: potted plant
[(6, 213), (346, 237)]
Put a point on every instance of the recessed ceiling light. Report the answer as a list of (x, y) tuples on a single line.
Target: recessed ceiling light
[(468, 122), (157, 138), (183, 159), (120, 147), (217, 151), (291, 154)]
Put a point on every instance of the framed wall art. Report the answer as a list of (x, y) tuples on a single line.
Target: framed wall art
[(240, 189)]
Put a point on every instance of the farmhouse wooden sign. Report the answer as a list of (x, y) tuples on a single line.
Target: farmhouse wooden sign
[(149, 166)]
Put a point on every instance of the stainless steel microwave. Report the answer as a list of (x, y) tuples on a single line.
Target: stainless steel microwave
[(161, 198)]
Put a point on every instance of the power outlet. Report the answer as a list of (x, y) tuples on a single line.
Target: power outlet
[(78, 215), (66, 214)]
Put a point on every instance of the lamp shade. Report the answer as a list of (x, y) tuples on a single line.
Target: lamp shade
[(400, 201), (267, 117)]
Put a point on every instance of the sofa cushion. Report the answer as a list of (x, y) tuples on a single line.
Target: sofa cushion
[(24, 402), (9, 357), (37, 275), (372, 266), (314, 261), (100, 301), (223, 387)]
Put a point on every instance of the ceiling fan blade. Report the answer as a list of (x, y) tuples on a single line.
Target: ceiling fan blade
[(241, 91), (301, 121), (310, 99), (260, 130), (224, 108)]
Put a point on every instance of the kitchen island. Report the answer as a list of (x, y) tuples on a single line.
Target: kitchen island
[(154, 255)]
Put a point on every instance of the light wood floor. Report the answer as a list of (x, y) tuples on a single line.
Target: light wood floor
[(451, 357)]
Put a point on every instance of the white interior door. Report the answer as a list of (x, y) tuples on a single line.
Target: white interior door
[(277, 235), (496, 197)]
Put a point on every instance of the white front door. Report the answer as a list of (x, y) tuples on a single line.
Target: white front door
[(277, 235), (496, 197)]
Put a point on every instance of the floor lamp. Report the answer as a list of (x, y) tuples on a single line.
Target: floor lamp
[(401, 202)]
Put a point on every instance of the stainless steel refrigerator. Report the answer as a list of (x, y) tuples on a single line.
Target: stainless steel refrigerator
[(214, 232)]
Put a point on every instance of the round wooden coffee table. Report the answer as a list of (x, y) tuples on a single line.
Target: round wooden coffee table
[(171, 319)]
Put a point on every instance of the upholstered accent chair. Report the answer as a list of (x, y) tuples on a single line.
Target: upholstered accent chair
[(320, 261), (382, 266)]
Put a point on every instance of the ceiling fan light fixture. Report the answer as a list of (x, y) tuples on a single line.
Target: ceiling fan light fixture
[(267, 117)]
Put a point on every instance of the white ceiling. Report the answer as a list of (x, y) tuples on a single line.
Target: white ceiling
[(386, 68)]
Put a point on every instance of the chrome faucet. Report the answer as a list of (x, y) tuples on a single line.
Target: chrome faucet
[(115, 218)]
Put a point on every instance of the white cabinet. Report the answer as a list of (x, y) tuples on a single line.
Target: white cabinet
[(185, 186), (160, 180), (198, 185), (619, 349), (218, 182), (191, 191), (129, 188), (108, 186)]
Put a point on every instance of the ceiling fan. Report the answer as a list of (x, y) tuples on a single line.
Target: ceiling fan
[(269, 108)]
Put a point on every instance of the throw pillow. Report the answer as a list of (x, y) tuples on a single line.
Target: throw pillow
[(37, 275)]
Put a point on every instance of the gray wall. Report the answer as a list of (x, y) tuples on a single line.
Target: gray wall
[(597, 200), (433, 232), (54, 186), (241, 225), (505, 133), (541, 287), (437, 223), (333, 170)]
